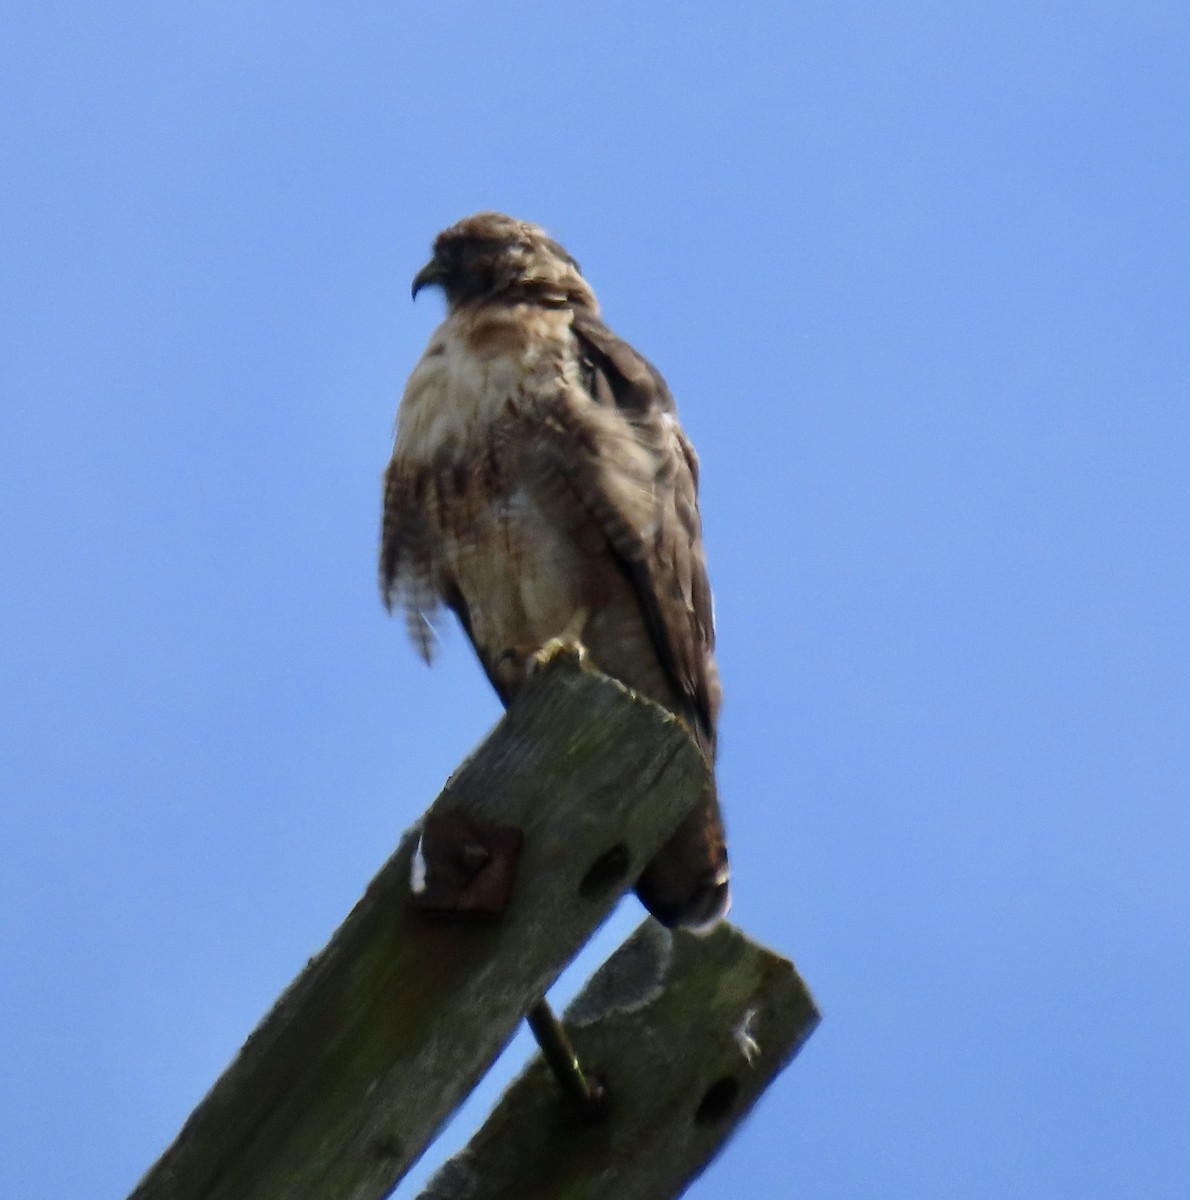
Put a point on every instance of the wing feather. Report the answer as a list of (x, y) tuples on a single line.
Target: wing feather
[(646, 500), (407, 564)]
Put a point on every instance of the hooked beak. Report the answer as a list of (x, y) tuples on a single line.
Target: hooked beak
[(431, 273)]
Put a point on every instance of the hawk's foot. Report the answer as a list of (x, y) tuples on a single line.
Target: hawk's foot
[(557, 648)]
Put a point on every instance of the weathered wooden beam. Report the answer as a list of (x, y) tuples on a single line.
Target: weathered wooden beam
[(685, 1033), (384, 1033)]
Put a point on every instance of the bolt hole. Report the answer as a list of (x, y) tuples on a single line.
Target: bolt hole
[(607, 870), (717, 1100)]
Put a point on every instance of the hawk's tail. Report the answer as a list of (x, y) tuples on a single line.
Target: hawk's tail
[(686, 884)]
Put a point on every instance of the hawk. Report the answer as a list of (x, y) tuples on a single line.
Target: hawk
[(542, 490)]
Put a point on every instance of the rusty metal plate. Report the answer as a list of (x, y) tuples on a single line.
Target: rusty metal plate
[(464, 867)]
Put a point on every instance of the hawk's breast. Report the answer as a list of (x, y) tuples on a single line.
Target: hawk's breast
[(518, 550), (479, 372)]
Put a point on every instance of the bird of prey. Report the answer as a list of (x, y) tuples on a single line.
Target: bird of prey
[(541, 489)]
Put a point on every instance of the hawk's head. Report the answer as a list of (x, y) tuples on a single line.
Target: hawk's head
[(493, 258)]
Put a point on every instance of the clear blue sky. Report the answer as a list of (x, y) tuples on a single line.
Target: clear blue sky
[(919, 277)]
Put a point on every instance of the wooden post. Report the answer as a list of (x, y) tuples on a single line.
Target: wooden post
[(684, 1032), (385, 1032)]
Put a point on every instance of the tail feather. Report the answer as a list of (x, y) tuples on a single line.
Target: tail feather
[(686, 883)]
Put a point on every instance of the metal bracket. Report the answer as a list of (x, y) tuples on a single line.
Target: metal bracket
[(464, 867)]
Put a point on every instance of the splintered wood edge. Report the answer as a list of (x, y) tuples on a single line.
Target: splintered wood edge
[(685, 1032), (381, 1037)]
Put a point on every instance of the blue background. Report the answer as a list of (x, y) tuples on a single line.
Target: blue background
[(918, 274)]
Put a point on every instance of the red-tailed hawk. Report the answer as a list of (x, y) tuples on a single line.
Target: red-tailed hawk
[(542, 489)]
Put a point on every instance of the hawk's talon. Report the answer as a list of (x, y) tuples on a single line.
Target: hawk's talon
[(557, 648)]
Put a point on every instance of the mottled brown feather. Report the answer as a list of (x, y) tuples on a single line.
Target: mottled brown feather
[(669, 569)]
